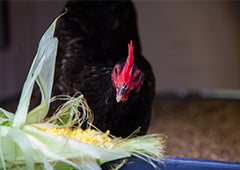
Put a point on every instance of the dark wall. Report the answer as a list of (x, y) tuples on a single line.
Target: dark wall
[(189, 44)]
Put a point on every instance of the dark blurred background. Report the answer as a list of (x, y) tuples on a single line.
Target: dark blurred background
[(192, 45)]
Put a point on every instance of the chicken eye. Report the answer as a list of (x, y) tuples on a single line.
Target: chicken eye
[(115, 70)]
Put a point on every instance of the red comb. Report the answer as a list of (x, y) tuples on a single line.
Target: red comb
[(130, 58), (127, 69)]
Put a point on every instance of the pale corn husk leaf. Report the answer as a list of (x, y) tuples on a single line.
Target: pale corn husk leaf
[(42, 72), (6, 117), (20, 138), (7, 147)]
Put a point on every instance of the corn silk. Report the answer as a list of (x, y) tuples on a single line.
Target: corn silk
[(30, 141)]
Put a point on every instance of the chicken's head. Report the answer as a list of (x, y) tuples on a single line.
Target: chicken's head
[(126, 77)]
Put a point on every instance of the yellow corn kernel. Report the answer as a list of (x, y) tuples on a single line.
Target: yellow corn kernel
[(88, 136)]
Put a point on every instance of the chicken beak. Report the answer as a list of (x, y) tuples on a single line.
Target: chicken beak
[(119, 97), (120, 94)]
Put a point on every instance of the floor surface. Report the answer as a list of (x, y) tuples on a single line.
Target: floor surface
[(199, 128)]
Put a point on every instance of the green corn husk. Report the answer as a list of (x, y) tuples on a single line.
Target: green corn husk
[(25, 145)]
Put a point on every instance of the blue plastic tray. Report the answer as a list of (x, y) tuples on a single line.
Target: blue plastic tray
[(174, 163)]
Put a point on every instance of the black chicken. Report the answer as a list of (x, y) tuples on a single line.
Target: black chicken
[(93, 58)]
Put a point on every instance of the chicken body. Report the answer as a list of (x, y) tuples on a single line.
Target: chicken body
[(93, 38)]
